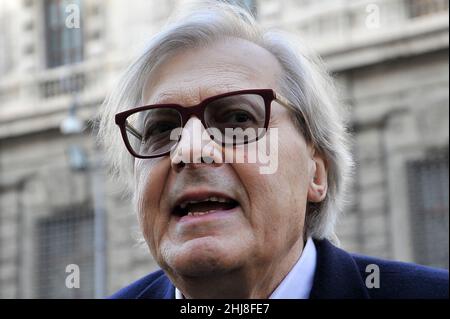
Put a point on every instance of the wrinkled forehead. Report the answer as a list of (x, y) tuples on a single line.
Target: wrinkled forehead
[(188, 77)]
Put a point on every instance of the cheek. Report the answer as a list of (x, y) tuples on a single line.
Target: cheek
[(149, 182), (277, 202), (294, 166), (294, 172)]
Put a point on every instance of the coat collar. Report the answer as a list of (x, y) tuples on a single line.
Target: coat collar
[(337, 275), (160, 288)]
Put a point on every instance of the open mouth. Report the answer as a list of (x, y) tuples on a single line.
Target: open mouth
[(205, 206)]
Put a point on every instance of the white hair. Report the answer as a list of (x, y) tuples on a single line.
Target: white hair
[(305, 83)]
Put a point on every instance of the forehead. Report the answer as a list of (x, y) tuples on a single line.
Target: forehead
[(228, 65)]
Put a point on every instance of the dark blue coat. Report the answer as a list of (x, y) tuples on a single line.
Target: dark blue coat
[(338, 275)]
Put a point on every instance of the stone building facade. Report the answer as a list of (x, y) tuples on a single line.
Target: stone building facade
[(390, 61)]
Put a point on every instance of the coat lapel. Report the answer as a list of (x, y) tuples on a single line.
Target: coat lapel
[(161, 288)]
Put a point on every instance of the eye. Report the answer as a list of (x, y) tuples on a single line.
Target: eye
[(159, 128), (238, 116)]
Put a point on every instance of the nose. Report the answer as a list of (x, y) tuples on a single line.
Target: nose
[(195, 148)]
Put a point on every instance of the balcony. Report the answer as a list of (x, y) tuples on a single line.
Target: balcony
[(26, 100)]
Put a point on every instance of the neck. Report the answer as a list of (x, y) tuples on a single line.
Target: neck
[(257, 282)]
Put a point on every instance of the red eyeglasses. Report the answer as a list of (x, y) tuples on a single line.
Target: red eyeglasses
[(238, 117)]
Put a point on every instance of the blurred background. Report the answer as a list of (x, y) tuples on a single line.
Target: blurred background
[(59, 58)]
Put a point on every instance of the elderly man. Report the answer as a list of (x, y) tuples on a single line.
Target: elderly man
[(216, 222)]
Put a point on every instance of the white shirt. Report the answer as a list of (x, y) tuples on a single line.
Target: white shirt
[(298, 282)]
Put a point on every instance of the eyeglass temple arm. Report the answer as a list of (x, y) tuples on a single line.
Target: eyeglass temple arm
[(132, 130), (284, 102)]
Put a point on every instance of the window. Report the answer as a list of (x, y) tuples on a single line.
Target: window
[(428, 190), (67, 237), (64, 45)]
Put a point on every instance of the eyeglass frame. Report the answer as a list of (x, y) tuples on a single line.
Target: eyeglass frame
[(198, 110)]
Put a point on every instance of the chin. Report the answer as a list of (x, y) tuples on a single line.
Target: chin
[(202, 257)]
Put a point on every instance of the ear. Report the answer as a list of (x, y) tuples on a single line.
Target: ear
[(318, 184)]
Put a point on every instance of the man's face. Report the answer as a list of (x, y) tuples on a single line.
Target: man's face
[(265, 224)]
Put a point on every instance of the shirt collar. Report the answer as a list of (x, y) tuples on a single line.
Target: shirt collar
[(298, 282)]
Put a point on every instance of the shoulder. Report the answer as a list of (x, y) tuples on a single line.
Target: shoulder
[(340, 274), (403, 280), (155, 285)]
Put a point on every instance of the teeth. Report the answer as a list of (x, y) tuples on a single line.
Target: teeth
[(199, 213), (218, 199), (211, 199)]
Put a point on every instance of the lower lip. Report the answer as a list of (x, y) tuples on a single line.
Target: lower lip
[(206, 217)]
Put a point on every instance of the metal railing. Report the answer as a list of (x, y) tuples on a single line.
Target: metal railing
[(46, 84)]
